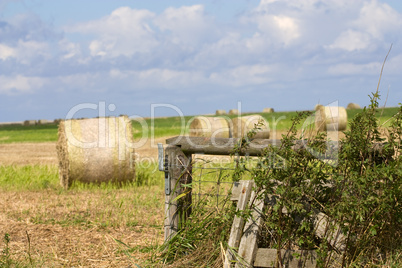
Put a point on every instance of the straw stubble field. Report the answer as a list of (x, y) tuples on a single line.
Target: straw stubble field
[(48, 226), (80, 228)]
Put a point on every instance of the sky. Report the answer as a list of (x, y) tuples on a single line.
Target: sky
[(63, 59)]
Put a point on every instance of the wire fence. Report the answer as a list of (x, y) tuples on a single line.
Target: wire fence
[(211, 181), (198, 176)]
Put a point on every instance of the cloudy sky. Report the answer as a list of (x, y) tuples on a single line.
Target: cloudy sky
[(139, 58)]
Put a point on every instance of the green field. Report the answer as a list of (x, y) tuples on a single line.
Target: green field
[(159, 127)]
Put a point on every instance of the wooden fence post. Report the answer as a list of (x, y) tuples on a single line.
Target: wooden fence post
[(178, 200)]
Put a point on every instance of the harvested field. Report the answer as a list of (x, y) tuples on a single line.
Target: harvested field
[(80, 227), (43, 153), (71, 229)]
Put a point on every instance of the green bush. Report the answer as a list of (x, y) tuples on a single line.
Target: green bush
[(357, 188)]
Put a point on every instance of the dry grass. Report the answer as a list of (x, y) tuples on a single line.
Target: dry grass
[(57, 228)]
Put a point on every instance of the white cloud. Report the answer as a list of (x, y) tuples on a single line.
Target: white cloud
[(7, 52), (69, 49), (273, 27), (350, 69), (341, 24), (188, 25), (243, 76), (352, 40), (309, 5), (124, 32), (367, 31), (117, 74), (393, 65), (281, 28), (378, 19), (85, 82), (159, 78), (25, 51), (20, 84), (185, 80)]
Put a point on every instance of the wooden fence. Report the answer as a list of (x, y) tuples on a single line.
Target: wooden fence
[(176, 163), (177, 167)]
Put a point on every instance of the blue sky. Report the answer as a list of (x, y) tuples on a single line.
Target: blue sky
[(194, 56)]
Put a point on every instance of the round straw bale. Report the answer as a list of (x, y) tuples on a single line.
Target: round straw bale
[(220, 112), (44, 122), (331, 118), (268, 110), (29, 122), (216, 127), (352, 106), (95, 150), (242, 125), (317, 107), (234, 112)]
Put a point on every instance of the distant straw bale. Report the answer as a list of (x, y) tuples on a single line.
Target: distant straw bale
[(234, 112), (30, 122), (268, 110), (331, 118), (215, 127), (96, 150), (242, 125), (44, 122), (220, 112), (352, 106)]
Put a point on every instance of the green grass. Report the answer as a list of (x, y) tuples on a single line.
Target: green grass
[(159, 127), (103, 205), (42, 177), (383, 114), (37, 133), (35, 177)]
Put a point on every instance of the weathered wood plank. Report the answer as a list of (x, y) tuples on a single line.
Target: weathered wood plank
[(236, 190), (238, 222), (267, 257), (248, 244), (180, 173), (226, 146), (321, 222), (219, 146)]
